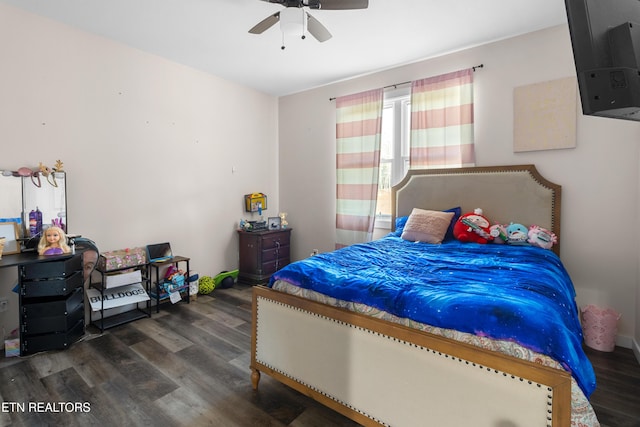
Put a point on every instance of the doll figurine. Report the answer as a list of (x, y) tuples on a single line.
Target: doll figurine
[(283, 220), (53, 242)]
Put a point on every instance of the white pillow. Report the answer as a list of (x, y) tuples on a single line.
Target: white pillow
[(427, 226)]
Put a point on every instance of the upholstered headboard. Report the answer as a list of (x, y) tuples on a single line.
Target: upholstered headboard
[(505, 193)]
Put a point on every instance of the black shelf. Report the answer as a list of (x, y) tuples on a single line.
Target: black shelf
[(99, 286), (129, 316), (120, 319), (162, 298)]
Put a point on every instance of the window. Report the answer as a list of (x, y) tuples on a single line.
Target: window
[(442, 135), (394, 150)]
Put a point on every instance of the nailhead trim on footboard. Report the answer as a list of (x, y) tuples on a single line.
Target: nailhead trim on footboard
[(307, 335)]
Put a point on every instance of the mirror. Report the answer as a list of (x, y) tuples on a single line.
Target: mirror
[(11, 200), (21, 194), (46, 194)]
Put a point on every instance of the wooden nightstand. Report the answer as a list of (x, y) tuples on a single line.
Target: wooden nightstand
[(262, 253)]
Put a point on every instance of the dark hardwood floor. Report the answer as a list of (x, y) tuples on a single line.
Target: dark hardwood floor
[(616, 399), (188, 365)]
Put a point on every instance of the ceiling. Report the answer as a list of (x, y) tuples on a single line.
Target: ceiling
[(212, 35)]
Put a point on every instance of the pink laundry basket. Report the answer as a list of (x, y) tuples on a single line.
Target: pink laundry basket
[(599, 327)]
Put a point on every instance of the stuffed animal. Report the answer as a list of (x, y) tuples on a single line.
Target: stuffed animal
[(472, 227), (517, 234), (499, 233), (541, 237)]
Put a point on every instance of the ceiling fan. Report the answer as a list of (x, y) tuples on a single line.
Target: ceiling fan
[(292, 17)]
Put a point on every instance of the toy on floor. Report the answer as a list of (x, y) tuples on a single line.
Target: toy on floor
[(225, 279), (206, 285)]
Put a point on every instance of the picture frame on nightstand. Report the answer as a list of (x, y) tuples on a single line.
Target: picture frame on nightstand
[(273, 222)]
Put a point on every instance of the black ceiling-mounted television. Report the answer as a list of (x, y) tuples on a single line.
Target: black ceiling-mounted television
[(605, 35)]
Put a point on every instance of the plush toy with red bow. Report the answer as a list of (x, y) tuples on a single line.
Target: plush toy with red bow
[(472, 227)]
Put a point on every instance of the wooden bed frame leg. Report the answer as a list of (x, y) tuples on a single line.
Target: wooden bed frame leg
[(255, 378)]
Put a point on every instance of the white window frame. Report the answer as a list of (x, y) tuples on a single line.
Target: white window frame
[(399, 99)]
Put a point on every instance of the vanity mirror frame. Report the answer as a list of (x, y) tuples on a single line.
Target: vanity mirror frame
[(50, 199), (24, 194)]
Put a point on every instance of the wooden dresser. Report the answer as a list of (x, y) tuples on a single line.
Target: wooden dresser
[(262, 253)]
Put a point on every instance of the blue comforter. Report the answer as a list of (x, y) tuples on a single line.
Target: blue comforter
[(518, 293)]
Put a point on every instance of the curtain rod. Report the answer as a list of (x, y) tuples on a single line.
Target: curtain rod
[(474, 68)]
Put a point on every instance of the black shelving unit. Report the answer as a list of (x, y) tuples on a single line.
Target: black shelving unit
[(142, 309), (51, 303), (157, 293)]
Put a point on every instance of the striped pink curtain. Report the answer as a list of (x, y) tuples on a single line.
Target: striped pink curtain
[(358, 131), (442, 121)]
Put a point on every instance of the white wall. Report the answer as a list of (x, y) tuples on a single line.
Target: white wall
[(599, 177), (148, 145)]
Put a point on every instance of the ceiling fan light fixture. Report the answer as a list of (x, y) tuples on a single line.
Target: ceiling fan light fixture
[(292, 21)]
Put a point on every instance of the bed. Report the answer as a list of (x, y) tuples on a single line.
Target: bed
[(421, 345)]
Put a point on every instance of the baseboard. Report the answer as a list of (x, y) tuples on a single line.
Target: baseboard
[(629, 342), (624, 341)]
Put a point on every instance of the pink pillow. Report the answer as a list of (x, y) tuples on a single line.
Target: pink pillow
[(427, 226)]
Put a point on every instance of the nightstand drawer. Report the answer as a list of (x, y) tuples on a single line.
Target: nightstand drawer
[(275, 253), (271, 267), (275, 240)]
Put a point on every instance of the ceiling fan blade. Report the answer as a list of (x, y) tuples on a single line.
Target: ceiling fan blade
[(342, 4), (265, 24), (317, 30)]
